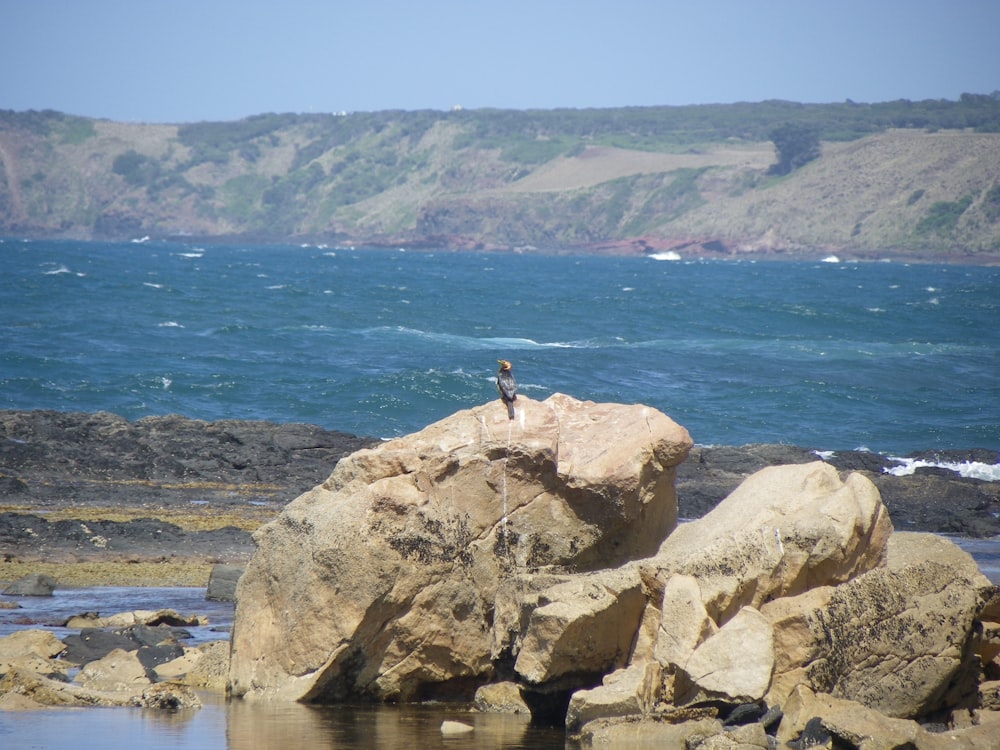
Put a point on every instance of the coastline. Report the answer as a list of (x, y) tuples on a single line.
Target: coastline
[(93, 499)]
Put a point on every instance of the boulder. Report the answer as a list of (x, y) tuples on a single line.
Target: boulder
[(734, 665), (409, 543), (686, 731), (138, 617), (626, 692), (684, 622), (845, 722), (33, 650), (894, 639), (785, 530), (584, 626), (205, 667), (28, 688), (33, 584), (222, 583), (500, 698), (119, 670)]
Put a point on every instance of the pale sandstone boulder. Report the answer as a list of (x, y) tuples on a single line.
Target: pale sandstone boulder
[(137, 617), (205, 667), (32, 650), (39, 690), (381, 583), (785, 530), (893, 639), (734, 665), (684, 622), (639, 735), (500, 698), (119, 670), (632, 691), (584, 625), (853, 724)]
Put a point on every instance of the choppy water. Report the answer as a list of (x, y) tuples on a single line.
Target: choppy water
[(887, 356)]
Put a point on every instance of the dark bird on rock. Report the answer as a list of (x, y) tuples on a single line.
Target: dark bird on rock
[(507, 386)]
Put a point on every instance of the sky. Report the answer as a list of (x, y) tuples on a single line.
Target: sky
[(177, 61)]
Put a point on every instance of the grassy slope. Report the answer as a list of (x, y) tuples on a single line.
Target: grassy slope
[(394, 183)]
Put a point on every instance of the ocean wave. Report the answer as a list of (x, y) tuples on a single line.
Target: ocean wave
[(474, 342), (968, 469)]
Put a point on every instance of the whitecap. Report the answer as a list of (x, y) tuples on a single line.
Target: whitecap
[(169, 324), (191, 255), (151, 284), (669, 255), (968, 469), (60, 269), (830, 259)]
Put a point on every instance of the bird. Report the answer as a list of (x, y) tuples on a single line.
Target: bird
[(507, 386)]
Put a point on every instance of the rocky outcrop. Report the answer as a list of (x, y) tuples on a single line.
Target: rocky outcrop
[(540, 554), (409, 543), (155, 466)]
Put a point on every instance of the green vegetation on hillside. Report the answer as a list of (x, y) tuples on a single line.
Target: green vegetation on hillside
[(535, 177)]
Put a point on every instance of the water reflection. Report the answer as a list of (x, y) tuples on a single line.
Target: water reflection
[(256, 726), (240, 725)]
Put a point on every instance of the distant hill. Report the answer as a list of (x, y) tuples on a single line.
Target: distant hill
[(915, 179)]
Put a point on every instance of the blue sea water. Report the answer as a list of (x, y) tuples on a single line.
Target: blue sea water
[(889, 356)]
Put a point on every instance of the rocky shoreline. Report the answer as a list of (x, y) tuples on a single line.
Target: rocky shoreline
[(99, 494)]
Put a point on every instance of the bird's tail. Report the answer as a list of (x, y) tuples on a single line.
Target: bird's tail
[(510, 410)]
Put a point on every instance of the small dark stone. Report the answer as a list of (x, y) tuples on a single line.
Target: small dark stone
[(93, 643), (745, 713), (153, 656)]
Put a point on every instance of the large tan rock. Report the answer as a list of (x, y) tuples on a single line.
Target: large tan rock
[(205, 667), (893, 639), (21, 689), (584, 625), (32, 650), (852, 724), (381, 583), (785, 530), (137, 617), (684, 622), (626, 692), (119, 670), (735, 664)]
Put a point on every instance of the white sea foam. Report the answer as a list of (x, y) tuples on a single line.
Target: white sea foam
[(191, 255), (830, 259), (151, 284), (970, 469), (669, 255), (60, 269), (169, 324)]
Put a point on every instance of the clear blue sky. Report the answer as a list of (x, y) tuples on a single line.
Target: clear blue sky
[(192, 60)]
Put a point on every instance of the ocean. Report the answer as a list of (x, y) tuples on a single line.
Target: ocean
[(887, 356), (892, 357)]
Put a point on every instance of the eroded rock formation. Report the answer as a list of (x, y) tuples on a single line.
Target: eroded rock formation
[(382, 582), (542, 554)]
